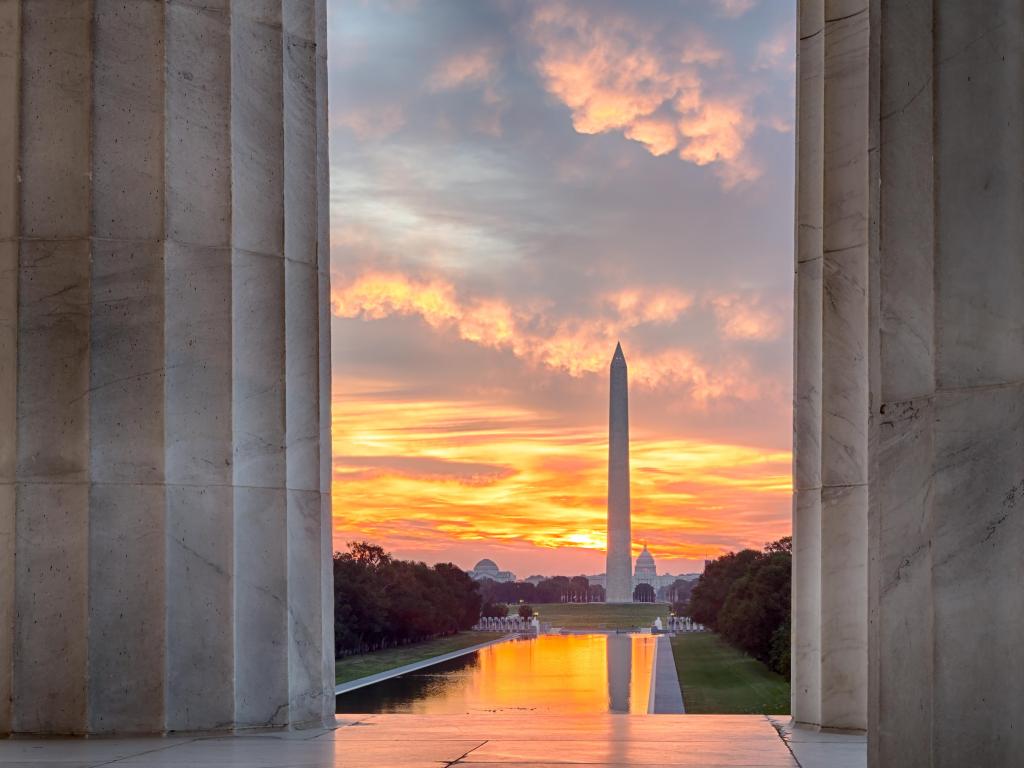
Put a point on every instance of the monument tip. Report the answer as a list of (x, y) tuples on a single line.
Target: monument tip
[(618, 353)]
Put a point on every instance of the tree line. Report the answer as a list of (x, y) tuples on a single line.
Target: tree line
[(381, 602), (563, 589), (745, 597), (557, 589)]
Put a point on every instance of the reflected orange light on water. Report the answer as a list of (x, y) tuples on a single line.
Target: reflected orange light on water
[(567, 674)]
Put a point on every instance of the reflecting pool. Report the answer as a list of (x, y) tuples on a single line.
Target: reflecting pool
[(550, 673)]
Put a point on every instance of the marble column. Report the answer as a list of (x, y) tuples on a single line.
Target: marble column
[(922, 377), (831, 368), (164, 366), (948, 488)]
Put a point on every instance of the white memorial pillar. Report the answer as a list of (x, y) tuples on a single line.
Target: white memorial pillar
[(831, 368), (910, 169), (164, 366)]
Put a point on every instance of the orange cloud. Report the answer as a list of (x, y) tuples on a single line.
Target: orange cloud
[(576, 346), (610, 75), (424, 473), (744, 318), (658, 135), (717, 132), (635, 307)]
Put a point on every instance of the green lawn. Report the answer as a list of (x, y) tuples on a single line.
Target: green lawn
[(600, 615), (719, 680), (354, 667)]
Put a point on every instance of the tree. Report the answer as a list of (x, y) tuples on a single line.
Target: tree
[(712, 588), (525, 612), (644, 593), (579, 589), (745, 596), (785, 544), (494, 611), (757, 605), (553, 590), (380, 602)]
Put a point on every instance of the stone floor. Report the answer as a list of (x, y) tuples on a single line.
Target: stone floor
[(433, 741)]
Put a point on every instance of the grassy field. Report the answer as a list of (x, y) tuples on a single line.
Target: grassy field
[(354, 667), (600, 615), (719, 680)]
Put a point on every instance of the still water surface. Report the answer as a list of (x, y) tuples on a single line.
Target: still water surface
[(550, 673)]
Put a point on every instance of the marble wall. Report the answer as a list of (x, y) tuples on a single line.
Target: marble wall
[(940, 134), (165, 530)]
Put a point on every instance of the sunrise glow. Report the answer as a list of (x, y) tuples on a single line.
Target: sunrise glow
[(515, 189)]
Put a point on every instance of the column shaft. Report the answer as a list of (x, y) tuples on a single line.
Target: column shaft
[(10, 40), (323, 261), (258, 346), (923, 157), (806, 602), (305, 630), (126, 372), (52, 491), (198, 392), (902, 485), (831, 367), (164, 367), (977, 528)]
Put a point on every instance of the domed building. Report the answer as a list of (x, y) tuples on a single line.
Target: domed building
[(645, 571), (488, 569)]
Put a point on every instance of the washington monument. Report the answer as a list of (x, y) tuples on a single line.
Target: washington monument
[(619, 582)]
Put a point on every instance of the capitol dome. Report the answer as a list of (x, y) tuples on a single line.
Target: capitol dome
[(645, 568), (486, 566), (488, 569)]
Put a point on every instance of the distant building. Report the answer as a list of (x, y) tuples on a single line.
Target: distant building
[(645, 571), (488, 569)]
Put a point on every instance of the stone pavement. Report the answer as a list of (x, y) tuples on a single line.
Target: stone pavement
[(666, 695), (434, 741)]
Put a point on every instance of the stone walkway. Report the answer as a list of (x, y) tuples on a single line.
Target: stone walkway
[(435, 741), (666, 695)]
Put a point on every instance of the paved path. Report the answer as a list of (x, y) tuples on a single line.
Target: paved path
[(362, 682), (666, 696), (813, 749), (466, 741)]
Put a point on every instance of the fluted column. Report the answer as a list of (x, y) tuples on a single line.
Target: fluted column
[(831, 367), (921, 419), (948, 483), (164, 366), (806, 602)]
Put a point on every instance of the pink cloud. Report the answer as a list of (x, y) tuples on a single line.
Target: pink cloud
[(464, 69), (613, 77), (577, 346), (374, 122), (735, 8), (777, 52), (745, 318), (717, 132)]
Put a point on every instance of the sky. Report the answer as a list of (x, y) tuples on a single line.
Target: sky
[(515, 187)]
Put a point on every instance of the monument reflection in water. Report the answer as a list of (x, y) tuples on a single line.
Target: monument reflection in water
[(551, 673)]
